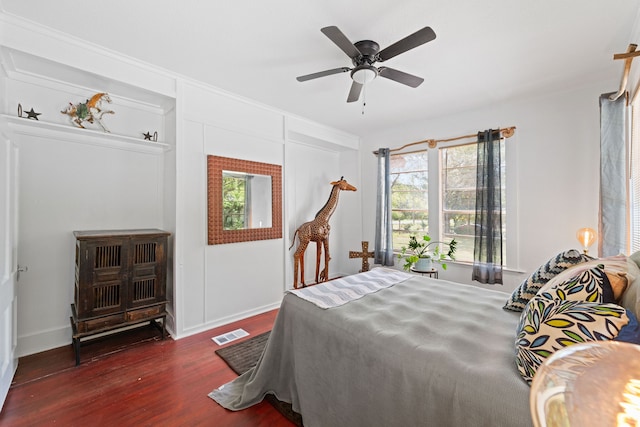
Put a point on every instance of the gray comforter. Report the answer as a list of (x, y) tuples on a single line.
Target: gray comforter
[(423, 352)]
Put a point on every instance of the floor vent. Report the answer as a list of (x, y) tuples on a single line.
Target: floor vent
[(230, 336)]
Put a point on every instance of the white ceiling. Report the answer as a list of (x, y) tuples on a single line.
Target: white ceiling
[(485, 50)]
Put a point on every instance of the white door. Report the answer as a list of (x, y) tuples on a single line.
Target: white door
[(8, 263)]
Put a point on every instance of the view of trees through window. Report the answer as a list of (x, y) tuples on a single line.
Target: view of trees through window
[(233, 202), (458, 176), (410, 197), (458, 189)]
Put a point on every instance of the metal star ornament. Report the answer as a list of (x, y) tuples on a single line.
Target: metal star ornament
[(32, 114)]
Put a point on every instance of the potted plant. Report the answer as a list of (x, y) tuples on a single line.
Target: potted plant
[(423, 252)]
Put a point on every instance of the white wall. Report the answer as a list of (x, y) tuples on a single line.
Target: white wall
[(316, 156), (556, 168), (222, 283), (72, 182), (65, 187), (633, 82), (75, 179)]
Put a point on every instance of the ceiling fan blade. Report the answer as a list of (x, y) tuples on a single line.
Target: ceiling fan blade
[(354, 93), (400, 76), (336, 36), (416, 39), (322, 74)]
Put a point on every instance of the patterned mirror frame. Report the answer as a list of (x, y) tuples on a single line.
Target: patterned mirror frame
[(217, 235)]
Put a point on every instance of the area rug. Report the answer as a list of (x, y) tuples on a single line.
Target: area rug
[(243, 356)]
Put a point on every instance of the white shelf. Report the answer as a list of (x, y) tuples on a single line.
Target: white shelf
[(24, 126)]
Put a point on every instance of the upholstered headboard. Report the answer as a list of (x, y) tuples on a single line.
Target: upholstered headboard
[(635, 257)]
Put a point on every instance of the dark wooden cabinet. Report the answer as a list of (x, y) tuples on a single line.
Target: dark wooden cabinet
[(120, 280)]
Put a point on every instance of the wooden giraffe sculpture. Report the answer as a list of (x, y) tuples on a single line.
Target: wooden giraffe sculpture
[(317, 231)]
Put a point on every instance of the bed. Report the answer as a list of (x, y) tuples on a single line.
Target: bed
[(419, 351)]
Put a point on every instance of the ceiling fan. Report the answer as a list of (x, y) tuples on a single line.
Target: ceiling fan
[(365, 53)]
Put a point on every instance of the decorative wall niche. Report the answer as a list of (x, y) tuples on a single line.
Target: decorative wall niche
[(244, 200)]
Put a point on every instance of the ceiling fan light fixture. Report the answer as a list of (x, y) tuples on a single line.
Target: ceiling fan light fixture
[(365, 53), (364, 74)]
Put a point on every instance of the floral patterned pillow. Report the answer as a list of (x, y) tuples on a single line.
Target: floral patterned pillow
[(547, 325), (591, 285), (616, 268)]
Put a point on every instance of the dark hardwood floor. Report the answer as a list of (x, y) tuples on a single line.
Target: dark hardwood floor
[(133, 379)]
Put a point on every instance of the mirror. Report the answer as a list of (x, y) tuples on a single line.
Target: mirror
[(244, 200)]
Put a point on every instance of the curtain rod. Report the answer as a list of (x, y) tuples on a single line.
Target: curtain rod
[(505, 133), (631, 50)]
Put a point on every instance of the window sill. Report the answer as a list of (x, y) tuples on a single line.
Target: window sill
[(470, 265), (466, 264)]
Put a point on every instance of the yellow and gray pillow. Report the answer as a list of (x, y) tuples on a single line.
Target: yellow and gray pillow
[(577, 310)]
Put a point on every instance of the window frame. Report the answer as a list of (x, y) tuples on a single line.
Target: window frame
[(634, 181), (434, 169)]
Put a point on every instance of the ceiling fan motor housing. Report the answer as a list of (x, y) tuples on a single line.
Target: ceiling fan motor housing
[(364, 71), (369, 49)]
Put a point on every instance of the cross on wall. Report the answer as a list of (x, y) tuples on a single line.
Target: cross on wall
[(364, 254)]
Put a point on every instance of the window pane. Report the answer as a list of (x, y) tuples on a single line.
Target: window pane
[(409, 196), (458, 189), (458, 180), (635, 181), (233, 202)]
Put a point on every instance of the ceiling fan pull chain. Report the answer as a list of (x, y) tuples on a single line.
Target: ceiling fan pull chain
[(364, 97)]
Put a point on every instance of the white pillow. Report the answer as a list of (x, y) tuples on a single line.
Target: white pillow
[(636, 258), (631, 297)]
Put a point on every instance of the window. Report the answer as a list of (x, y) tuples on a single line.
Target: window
[(409, 196), (452, 190), (458, 204), (635, 181)]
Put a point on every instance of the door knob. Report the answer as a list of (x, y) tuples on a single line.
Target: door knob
[(21, 269)]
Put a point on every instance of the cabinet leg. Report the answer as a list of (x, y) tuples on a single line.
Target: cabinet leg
[(76, 349)]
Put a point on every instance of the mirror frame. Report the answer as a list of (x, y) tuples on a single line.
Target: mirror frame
[(217, 235)]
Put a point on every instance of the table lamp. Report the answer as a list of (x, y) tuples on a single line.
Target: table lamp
[(586, 236), (593, 384)]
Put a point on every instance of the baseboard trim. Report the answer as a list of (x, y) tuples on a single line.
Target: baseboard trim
[(226, 320), (43, 341)]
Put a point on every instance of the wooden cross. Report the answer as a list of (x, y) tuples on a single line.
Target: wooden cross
[(364, 254)]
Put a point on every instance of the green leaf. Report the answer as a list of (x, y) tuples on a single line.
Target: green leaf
[(573, 336), (559, 323)]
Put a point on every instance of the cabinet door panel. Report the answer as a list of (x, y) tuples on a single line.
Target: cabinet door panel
[(103, 276), (148, 271)]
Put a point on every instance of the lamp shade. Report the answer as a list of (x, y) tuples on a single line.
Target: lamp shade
[(588, 385), (364, 74), (586, 236)]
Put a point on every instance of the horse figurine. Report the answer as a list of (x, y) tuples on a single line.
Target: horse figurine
[(89, 111)]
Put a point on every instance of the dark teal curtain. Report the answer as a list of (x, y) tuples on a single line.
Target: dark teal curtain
[(487, 250), (383, 252)]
